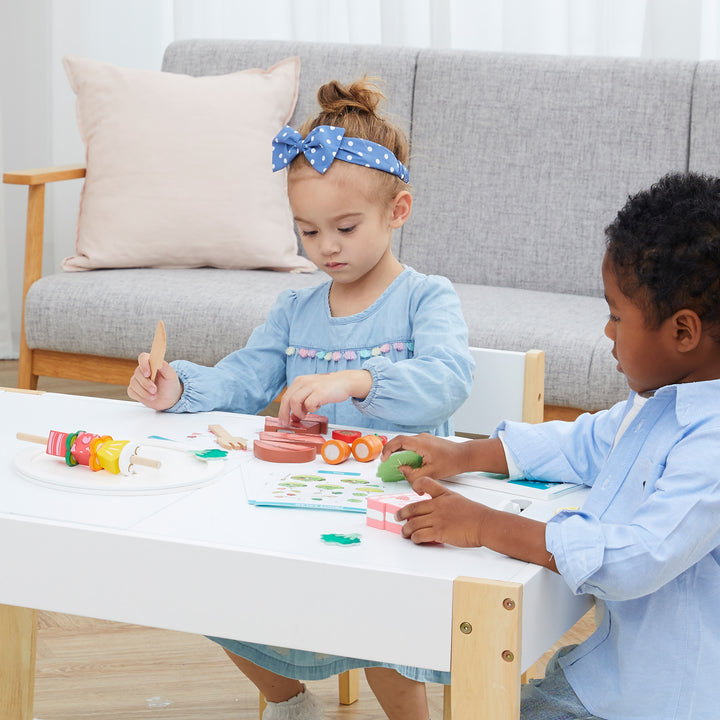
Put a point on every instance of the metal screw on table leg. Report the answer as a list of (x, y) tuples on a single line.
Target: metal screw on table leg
[(465, 628), (508, 656), (509, 604)]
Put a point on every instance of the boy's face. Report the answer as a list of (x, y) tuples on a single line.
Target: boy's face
[(645, 355)]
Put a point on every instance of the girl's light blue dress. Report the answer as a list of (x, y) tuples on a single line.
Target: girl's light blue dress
[(412, 339)]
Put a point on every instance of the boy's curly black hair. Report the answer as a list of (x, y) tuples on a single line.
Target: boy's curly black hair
[(665, 249)]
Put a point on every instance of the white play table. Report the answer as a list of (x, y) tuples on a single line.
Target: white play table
[(202, 560)]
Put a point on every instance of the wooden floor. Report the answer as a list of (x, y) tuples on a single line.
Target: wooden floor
[(89, 668)]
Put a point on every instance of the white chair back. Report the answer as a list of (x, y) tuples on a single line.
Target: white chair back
[(507, 385)]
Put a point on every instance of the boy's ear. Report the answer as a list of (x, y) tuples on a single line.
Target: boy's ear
[(401, 207), (687, 329)]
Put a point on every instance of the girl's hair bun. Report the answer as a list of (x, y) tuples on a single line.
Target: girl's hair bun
[(359, 96)]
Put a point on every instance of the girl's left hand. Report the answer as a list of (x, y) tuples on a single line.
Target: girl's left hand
[(307, 393), (447, 518)]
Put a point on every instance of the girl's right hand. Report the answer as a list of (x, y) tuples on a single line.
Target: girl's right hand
[(441, 458), (159, 395)]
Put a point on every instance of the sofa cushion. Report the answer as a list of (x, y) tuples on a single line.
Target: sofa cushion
[(207, 312), (580, 370), (179, 168), (705, 132), (538, 154)]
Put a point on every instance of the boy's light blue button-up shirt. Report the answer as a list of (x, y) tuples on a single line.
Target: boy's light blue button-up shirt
[(412, 339), (647, 543)]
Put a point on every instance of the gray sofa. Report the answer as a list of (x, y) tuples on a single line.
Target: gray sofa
[(517, 163)]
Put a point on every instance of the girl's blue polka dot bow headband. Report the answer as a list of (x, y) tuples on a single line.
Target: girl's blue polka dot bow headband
[(326, 143)]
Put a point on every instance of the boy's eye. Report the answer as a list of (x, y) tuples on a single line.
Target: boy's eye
[(613, 318), (308, 233), (347, 229)]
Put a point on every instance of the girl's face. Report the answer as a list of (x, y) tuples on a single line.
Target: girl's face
[(645, 356), (345, 230)]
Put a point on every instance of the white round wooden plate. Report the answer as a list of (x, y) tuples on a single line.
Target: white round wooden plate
[(180, 470)]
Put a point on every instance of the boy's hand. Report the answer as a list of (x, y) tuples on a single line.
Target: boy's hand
[(447, 518), (453, 519), (308, 393), (441, 458), (159, 395)]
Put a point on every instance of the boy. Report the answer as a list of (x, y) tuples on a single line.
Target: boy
[(647, 541)]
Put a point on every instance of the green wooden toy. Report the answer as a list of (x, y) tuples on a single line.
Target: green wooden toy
[(388, 469)]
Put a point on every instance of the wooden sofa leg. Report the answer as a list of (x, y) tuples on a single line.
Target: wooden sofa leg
[(26, 379)]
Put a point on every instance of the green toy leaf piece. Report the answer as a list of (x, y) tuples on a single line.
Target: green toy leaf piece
[(212, 454), (388, 469), (341, 539)]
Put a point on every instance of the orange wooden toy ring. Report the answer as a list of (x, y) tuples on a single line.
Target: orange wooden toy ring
[(367, 448)]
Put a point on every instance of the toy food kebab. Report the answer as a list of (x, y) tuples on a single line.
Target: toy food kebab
[(98, 452)]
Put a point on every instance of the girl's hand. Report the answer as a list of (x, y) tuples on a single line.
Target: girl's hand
[(307, 393), (159, 395), (441, 458), (447, 518)]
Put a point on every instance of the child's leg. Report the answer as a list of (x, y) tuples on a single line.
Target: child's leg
[(400, 697), (274, 687)]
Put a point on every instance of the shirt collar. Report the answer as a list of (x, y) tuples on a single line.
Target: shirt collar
[(693, 400)]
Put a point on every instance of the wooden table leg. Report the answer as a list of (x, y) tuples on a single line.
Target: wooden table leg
[(349, 686), (18, 639), (485, 658)]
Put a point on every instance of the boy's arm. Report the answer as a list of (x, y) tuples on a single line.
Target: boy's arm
[(450, 518)]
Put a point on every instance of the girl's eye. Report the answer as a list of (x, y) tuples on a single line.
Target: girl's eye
[(308, 233), (613, 318), (347, 230)]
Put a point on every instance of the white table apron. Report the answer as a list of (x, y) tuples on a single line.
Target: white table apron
[(205, 561)]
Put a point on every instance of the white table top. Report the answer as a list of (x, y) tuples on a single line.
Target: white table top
[(203, 560)]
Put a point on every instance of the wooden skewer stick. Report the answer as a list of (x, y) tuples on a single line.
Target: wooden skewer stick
[(134, 459)]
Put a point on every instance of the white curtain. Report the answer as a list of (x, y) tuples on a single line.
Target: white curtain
[(38, 107)]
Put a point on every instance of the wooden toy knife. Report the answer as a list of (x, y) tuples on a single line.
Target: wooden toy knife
[(157, 351)]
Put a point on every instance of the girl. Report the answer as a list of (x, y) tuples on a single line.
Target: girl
[(379, 345)]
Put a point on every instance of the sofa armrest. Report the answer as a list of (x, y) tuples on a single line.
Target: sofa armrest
[(36, 180), (40, 176), (34, 237)]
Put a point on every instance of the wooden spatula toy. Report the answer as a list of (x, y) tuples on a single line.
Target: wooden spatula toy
[(157, 351)]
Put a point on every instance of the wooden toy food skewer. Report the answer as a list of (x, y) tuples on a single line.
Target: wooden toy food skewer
[(157, 351), (98, 465)]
